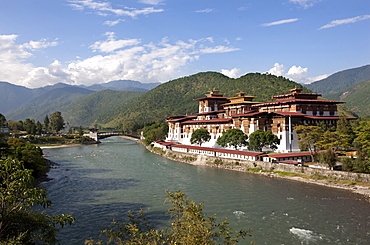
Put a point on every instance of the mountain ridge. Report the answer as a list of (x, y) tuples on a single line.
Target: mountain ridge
[(340, 81)]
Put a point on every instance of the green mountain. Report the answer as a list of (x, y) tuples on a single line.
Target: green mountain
[(99, 108), (340, 81), (55, 100), (124, 85), (357, 98), (13, 96), (176, 97)]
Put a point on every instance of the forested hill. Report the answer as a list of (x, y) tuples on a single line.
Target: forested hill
[(100, 107), (55, 100), (357, 98), (340, 81), (176, 97)]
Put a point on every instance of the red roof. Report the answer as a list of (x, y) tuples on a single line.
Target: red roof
[(211, 112), (292, 94), (164, 143), (181, 118), (334, 118), (217, 120), (292, 154), (289, 162), (213, 98), (318, 117), (298, 100), (250, 113), (247, 153), (289, 113)]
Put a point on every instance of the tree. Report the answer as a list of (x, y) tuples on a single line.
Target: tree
[(308, 137), (357, 165), (333, 140), (233, 137), (128, 126), (20, 222), (30, 126), (363, 136), (260, 139), (2, 120), (13, 125), (38, 128), (200, 136), (328, 157), (56, 121), (189, 225), (80, 131), (46, 122), (344, 129), (157, 131)]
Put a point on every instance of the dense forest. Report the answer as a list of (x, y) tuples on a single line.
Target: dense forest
[(100, 107), (176, 97)]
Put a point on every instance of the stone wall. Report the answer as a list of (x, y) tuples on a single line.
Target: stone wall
[(242, 165)]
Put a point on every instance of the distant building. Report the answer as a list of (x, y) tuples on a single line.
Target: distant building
[(4, 129), (218, 113)]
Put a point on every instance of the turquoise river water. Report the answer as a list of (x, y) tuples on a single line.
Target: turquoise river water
[(99, 183)]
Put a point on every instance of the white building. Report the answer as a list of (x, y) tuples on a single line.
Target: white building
[(218, 113)]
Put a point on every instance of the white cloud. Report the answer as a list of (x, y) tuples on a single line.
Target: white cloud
[(123, 59), (305, 3), (280, 22), (52, 74), (278, 70), (218, 49), (152, 2), (318, 78), (345, 21), (12, 56), (233, 73), (295, 73), (204, 11), (33, 45), (111, 44), (298, 74), (105, 8), (113, 22)]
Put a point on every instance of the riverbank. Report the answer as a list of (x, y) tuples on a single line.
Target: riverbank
[(199, 160), (67, 145)]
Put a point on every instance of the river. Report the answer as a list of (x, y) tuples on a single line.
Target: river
[(99, 183)]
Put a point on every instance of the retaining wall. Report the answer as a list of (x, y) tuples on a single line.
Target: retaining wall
[(242, 165)]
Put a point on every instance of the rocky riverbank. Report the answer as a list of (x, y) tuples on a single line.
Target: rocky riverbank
[(198, 160)]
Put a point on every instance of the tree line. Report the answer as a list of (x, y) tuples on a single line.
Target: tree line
[(325, 143), (236, 138), (53, 124)]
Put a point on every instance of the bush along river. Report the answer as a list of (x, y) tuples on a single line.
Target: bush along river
[(100, 183)]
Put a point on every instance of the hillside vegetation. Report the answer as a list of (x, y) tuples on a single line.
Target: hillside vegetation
[(340, 81), (176, 97), (357, 98), (100, 107), (55, 100)]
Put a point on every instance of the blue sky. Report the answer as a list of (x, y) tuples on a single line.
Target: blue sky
[(43, 42)]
